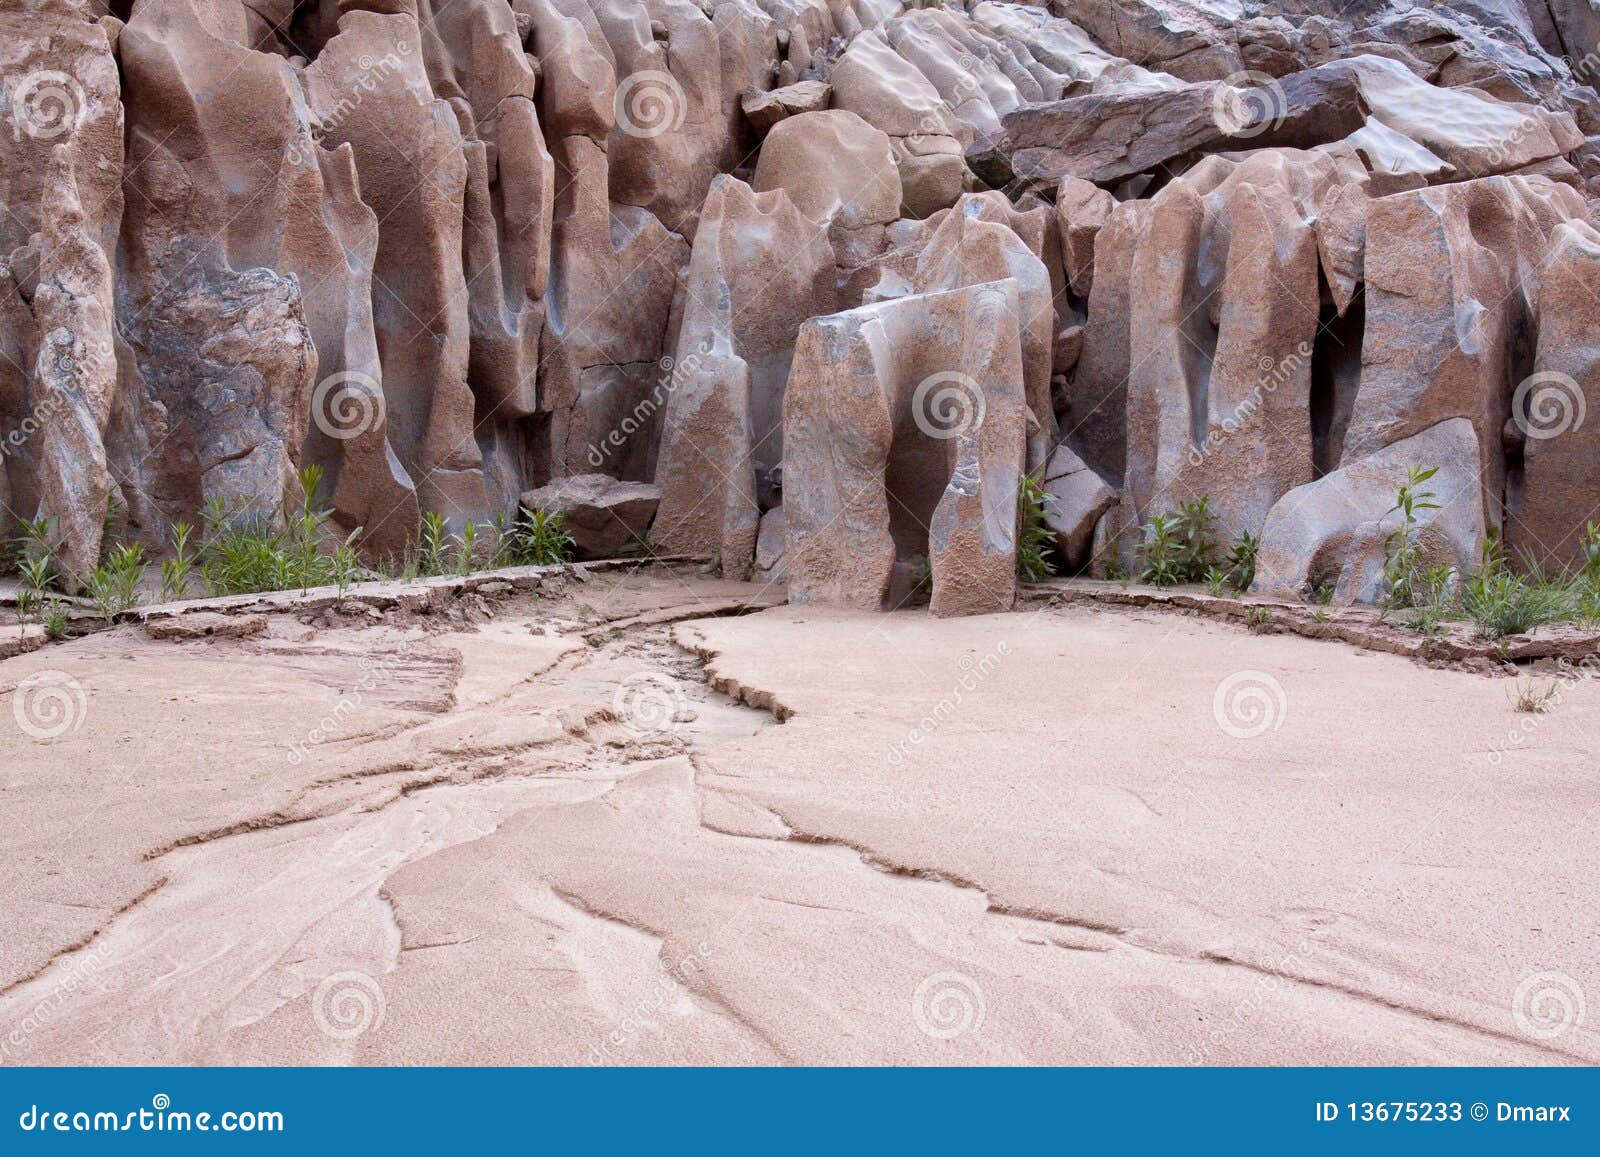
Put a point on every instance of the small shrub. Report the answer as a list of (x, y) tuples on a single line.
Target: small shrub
[(1217, 582), (538, 538), (1035, 540), (113, 586), (55, 621), (1503, 603), (1241, 561), (644, 546), (177, 570), (1529, 699), (1178, 547), (1402, 549), (243, 552), (468, 545), (1258, 619)]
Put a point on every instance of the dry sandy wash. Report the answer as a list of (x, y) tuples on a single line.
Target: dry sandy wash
[(602, 827)]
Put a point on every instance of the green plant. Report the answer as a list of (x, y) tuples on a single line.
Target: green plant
[(242, 552), (1162, 552), (1035, 540), (1403, 551), (1590, 546), (432, 545), (1503, 603), (1116, 570), (1322, 594), (55, 621), (1241, 561), (1530, 700), (538, 538), (1216, 582), (346, 563), (644, 546), (1258, 619), (114, 585), (467, 547), (177, 570), (1177, 546)]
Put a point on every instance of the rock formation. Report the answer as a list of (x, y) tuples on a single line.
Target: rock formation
[(456, 252)]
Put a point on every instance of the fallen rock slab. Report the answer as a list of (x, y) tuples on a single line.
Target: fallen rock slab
[(602, 514)]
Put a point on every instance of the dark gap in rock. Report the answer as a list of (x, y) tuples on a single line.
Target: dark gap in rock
[(1335, 378)]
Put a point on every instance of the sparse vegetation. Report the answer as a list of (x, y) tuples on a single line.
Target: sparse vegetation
[(1403, 548), (1530, 699), (537, 538), (1035, 540), (1258, 619), (1503, 603), (1178, 546), (113, 586), (177, 571), (244, 552)]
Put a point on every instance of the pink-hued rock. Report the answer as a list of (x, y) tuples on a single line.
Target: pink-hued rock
[(1224, 308), (1335, 531), (1555, 410), (837, 169), (759, 269), (1453, 276), (1079, 497), (904, 431), (763, 109), (969, 246)]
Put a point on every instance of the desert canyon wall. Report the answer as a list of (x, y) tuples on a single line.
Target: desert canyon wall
[(832, 276)]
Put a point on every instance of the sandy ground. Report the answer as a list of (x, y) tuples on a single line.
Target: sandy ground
[(1070, 835)]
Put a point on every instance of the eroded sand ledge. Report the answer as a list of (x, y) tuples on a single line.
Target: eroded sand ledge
[(543, 838)]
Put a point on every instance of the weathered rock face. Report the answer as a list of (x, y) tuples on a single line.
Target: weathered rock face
[(1453, 284), (904, 426), (1334, 532), (1555, 410), (1223, 303), (759, 269), (453, 252)]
